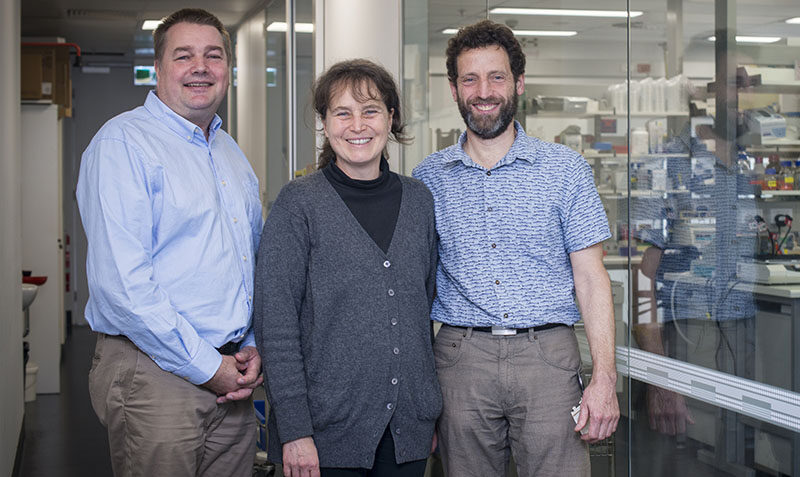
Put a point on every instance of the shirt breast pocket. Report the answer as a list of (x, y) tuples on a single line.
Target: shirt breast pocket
[(542, 229)]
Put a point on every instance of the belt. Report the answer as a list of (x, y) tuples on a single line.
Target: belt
[(499, 330), (228, 349)]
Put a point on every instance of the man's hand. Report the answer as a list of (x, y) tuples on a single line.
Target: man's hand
[(667, 411), (224, 380), (248, 363), (600, 408), (300, 458)]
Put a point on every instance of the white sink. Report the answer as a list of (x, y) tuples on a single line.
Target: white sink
[(28, 294)]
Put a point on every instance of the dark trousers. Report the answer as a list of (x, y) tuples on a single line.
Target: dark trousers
[(385, 464)]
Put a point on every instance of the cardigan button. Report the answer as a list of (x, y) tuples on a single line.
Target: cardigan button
[(387, 264), (391, 292)]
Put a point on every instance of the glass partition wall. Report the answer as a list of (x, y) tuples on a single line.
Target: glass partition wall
[(689, 114), (290, 125)]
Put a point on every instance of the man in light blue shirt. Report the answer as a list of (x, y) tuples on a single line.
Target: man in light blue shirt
[(172, 213), (520, 227)]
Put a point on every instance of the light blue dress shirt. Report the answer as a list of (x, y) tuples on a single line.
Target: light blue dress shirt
[(505, 234), (173, 222)]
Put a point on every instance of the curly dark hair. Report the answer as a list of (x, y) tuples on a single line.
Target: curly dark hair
[(189, 15), (366, 80), (482, 34)]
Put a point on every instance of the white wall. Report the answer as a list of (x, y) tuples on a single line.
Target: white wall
[(369, 29), (251, 91), (11, 400), (41, 235)]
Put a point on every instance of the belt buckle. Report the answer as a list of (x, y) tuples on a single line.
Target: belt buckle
[(500, 331)]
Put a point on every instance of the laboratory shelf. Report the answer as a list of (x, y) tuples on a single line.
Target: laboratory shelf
[(766, 194)]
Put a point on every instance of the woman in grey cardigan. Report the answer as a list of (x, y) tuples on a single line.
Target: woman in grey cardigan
[(344, 284)]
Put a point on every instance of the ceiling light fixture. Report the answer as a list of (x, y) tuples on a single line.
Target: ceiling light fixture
[(564, 12), (795, 20), (453, 31), (150, 24), (751, 39), (298, 27)]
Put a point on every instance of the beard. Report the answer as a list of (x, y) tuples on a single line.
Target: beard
[(489, 127)]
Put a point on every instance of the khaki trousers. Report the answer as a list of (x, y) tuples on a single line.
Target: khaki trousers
[(509, 395), (161, 425)]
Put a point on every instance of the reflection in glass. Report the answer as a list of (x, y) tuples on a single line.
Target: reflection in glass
[(701, 211)]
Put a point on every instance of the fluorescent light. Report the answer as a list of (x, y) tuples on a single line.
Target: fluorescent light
[(150, 24), (751, 39), (144, 51), (564, 12), (543, 33), (793, 20), (453, 31), (298, 27)]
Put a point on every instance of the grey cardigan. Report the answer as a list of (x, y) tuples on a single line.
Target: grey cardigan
[(343, 328)]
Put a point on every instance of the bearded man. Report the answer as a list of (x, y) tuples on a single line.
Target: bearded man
[(521, 228)]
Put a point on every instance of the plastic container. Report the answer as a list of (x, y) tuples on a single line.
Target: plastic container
[(771, 179), (757, 174), (786, 177), (797, 175), (656, 132), (639, 141)]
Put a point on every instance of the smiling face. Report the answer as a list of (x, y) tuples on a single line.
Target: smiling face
[(193, 72), (357, 125), (486, 91)]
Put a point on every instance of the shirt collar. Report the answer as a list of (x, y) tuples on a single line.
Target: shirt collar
[(524, 147), (177, 123)]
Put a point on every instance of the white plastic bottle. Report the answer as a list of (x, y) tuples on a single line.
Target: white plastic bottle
[(639, 142)]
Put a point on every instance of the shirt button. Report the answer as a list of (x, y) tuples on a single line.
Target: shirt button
[(488, 173), (396, 351), (505, 315), (494, 245), (387, 264), (394, 321), (391, 292), (244, 257), (235, 220), (489, 209), (497, 282), (394, 381), (224, 183), (390, 406), (188, 138)]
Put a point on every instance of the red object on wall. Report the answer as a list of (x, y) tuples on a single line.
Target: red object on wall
[(34, 280)]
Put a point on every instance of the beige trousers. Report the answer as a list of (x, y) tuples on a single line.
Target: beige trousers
[(161, 425), (507, 395)]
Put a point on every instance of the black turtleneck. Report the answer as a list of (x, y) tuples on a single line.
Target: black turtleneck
[(374, 203)]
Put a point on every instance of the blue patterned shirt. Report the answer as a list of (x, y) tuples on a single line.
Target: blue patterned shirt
[(505, 234), (173, 222)]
